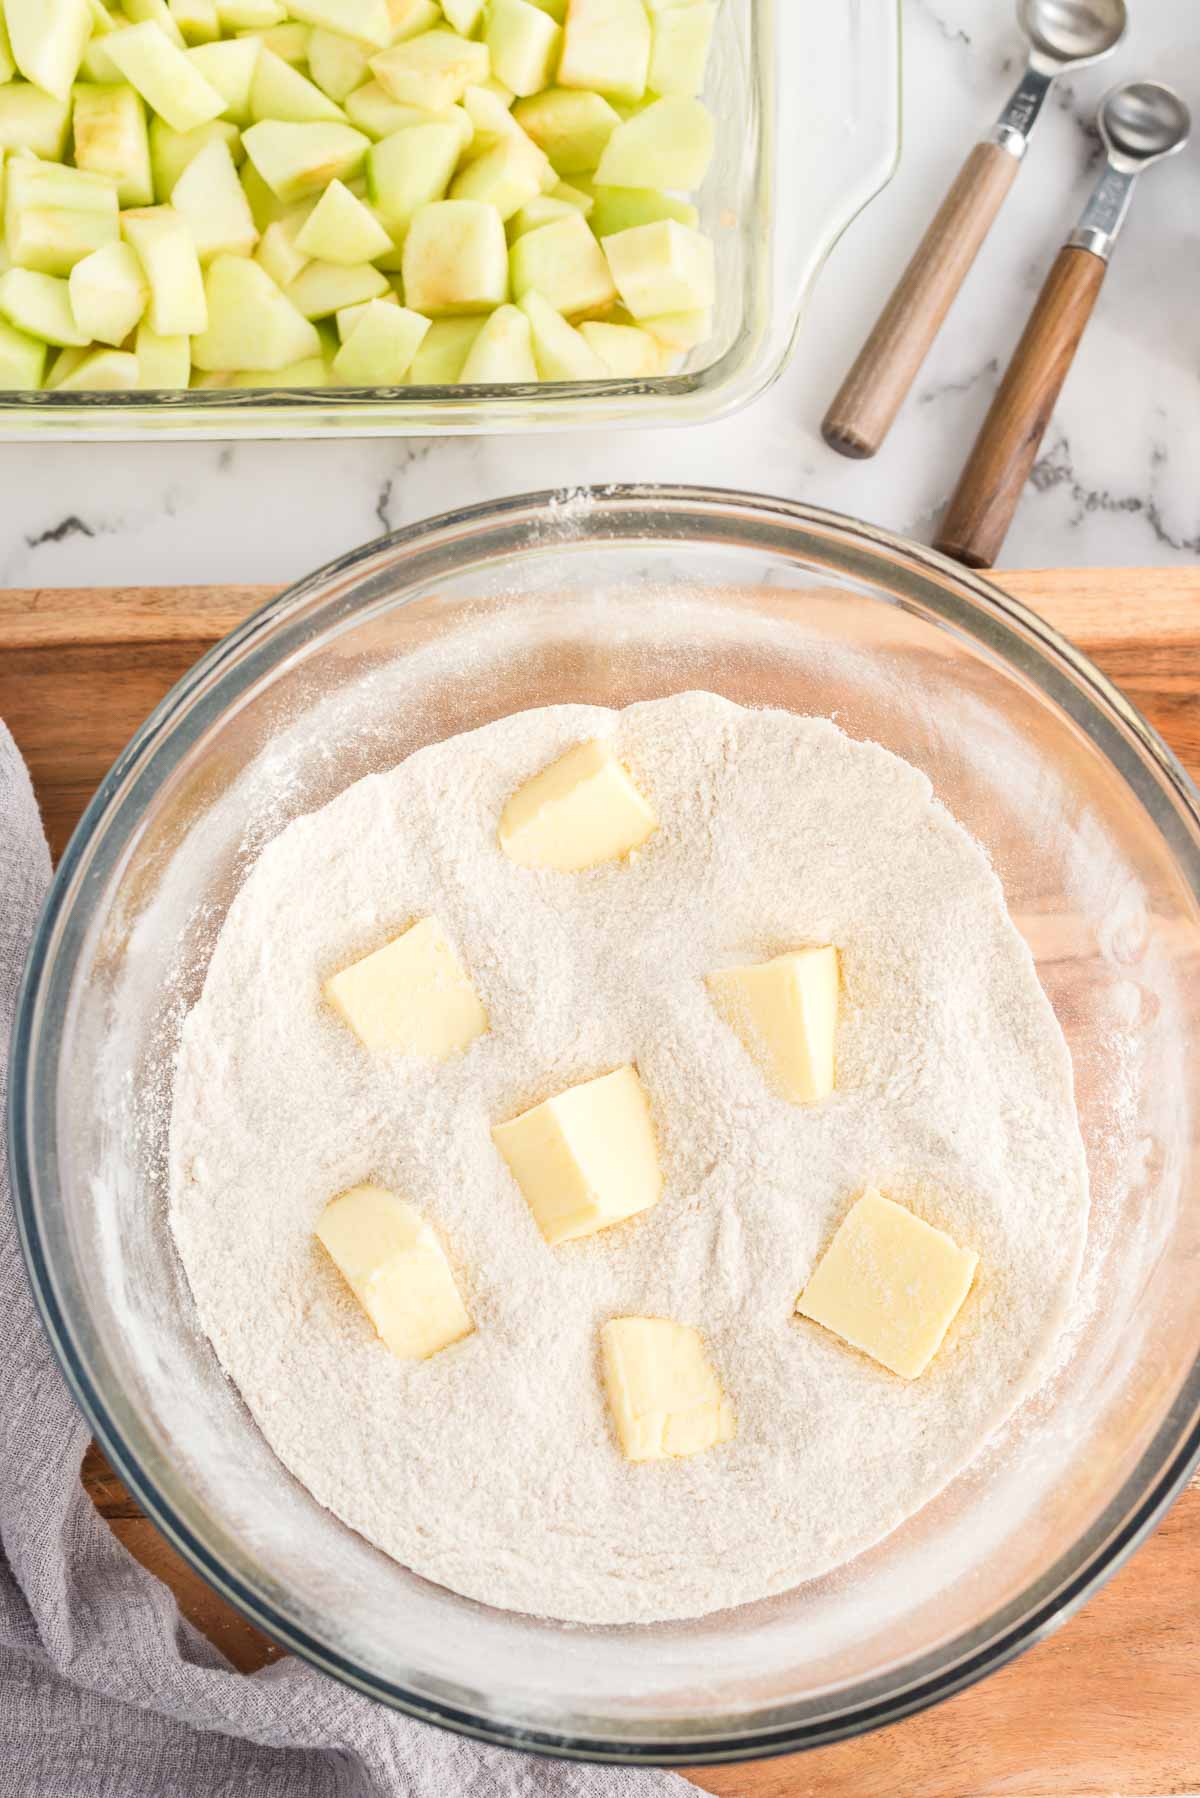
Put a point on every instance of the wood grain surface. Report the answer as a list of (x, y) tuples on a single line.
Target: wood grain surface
[(868, 400), (1110, 1706), (993, 479)]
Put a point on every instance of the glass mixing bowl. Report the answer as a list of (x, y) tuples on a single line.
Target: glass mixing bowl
[(608, 597)]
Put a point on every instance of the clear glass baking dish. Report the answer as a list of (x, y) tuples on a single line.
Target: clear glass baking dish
[(806, 101), (607, 598)]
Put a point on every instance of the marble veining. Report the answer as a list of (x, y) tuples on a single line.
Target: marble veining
[(1116, 483)]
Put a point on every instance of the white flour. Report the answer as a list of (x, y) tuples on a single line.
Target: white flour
[(492, 1467)]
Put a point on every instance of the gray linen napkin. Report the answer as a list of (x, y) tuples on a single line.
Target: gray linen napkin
[(105, 1690)]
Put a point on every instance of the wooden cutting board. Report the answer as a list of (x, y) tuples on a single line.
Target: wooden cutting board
[(1109, 1706)]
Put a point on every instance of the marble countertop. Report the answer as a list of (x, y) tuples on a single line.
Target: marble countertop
[(1116, 484)]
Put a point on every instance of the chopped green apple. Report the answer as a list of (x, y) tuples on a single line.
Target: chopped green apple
[(572, 128), (166, 78), (606, 47), (251, 324), (349, 316), (111, 139), (277, 250), (250, 15), (64, 364), (164, 363), (22, 359), (197, 20), (171, 151), (411, 17), (577, 197), (365, 19), (443, 351), (543, 210), (563, 262), (668, 144), (311, 371), (491, 120), (47, 38), (337, 64), (506, 177), (341, 229), (163, 244), (523, 44), (373, 110), (54, 216), (679, 55), (503, 351), (295, 160), (40, 305), (102, 371), (381, 347), (625, 350), (8, 67), (664, 267), (212, 203), (455, 259), (158, 13), (408, 170), (109, 293), (33, 121), (323, 288), (464, 15), (433, 70), (281, 92), (229, 66), (559, 350), (289, 42), (678, 331), (620, 208)]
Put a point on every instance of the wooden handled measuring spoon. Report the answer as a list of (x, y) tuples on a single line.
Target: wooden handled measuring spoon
[(1140, 123), (1063, 35)]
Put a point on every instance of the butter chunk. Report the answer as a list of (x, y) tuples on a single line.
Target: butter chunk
[(786, 1013), (665, 1398), (582, 810), (890, 1285), (586, 1159), (391, 1259), (413, 994)]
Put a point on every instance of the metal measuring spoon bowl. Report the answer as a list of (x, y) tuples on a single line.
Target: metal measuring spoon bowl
[(1140, 123), (1063, 35)]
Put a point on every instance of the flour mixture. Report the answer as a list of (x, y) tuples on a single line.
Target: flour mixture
[(493, 1467)]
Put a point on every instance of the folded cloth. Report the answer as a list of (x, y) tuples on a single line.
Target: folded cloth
[(105, 1690)]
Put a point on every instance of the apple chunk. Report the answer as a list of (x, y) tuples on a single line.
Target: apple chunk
[(251, 324), (502, 354), (664, 267), (296, 160), (456, 259), (669, 144), (564, 263), (606, 47), (380, 349)]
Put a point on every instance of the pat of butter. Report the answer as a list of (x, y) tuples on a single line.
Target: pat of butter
[(393, 1262), (786, 1013), (665, 1397), (413, 994), (586, 1159), (580, 811), (890, 1285)]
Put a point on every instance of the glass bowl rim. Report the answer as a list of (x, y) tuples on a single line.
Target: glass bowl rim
[(961, 599)]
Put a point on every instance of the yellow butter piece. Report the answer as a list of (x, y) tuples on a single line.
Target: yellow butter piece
[(587, 1158), (580, 811), (890, 1285), (786, 1013), (413, 994), (391, 1259), (665, 1398)]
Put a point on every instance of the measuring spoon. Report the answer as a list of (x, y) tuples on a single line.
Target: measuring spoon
[(1140, 123), (1063, 35)]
